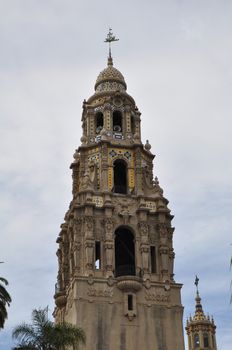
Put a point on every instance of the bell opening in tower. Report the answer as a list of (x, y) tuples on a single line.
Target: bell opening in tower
[(120, 177), (99, 122), (206, 340), (196, 341), (124, 252), (117, 121)]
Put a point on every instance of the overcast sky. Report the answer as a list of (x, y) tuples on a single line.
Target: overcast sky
[(176, 57)]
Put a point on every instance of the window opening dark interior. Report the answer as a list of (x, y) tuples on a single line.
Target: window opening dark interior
[(196, 341), (117, 121), (130, 302), (153, 259), (99, 122), (97, 255), (206, 340), (120, 177), (124, 253)]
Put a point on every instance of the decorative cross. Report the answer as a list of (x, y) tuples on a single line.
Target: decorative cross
[(109, 39)]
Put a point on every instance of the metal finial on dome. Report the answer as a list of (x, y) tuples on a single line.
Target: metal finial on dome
[(109, 39), (196, 283), (199, 313)]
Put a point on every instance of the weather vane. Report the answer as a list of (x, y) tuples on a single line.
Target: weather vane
[(109, 39), (196, 282)]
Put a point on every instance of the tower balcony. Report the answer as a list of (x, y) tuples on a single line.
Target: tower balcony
[(125, 270), (129, 283), (128, 279), (60, 296)]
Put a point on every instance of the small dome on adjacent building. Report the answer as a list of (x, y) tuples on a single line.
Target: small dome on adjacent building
[(110, 79)]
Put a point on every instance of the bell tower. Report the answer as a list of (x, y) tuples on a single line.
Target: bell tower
[(200, 328), (115, 255)]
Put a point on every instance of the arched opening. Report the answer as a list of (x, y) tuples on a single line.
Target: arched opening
[(99, 122), (124, 252), (117, 121), (120, 177), (206, 340), (196, 341)]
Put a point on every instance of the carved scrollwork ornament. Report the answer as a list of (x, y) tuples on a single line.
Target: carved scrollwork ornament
[(143, 226), (90, 280), (109, 225), (144, 249), (108, 245), (163, 250), (110, 281)]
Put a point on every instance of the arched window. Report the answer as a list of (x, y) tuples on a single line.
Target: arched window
[(124, 252), (196, 341), (117, 121), (206, 340), (99, 122), (120, 176)]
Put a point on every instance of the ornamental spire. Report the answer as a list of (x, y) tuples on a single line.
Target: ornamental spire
[(109, 39), (199, 313)]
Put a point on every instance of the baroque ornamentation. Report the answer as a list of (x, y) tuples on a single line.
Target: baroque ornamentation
[(94, 292), (157, 297)]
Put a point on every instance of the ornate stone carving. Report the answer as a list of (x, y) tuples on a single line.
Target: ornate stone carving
[(109, 226), (89, 250), (164, 259), (85, 182), (157, 297), (95, 292), (129, 284), (109, 253), (143, 228), (89, 225)]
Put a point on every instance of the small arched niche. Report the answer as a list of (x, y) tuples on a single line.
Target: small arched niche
[(117, 121), (124, 252), (99, 120), (120, 176)]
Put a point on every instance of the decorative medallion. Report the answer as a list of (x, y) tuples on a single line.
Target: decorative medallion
[(98, 201)]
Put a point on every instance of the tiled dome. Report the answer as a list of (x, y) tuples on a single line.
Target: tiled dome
[(110, 79)]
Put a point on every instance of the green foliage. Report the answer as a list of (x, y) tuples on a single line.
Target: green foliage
[(44, 334), (5, 300)]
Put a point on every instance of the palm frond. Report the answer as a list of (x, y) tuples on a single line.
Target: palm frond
[(4, 295), (24, 333), (3, 313), (70, 334), (44, 334), (4, 281)]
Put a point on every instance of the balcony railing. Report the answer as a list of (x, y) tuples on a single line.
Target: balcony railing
[(125, 270)]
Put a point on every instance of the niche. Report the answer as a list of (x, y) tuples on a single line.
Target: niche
[(117, 121)]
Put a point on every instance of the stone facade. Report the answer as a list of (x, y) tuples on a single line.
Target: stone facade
[(115, 254)]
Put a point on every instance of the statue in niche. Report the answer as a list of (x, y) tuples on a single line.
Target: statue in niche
[(150, 186), (89, 180)]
